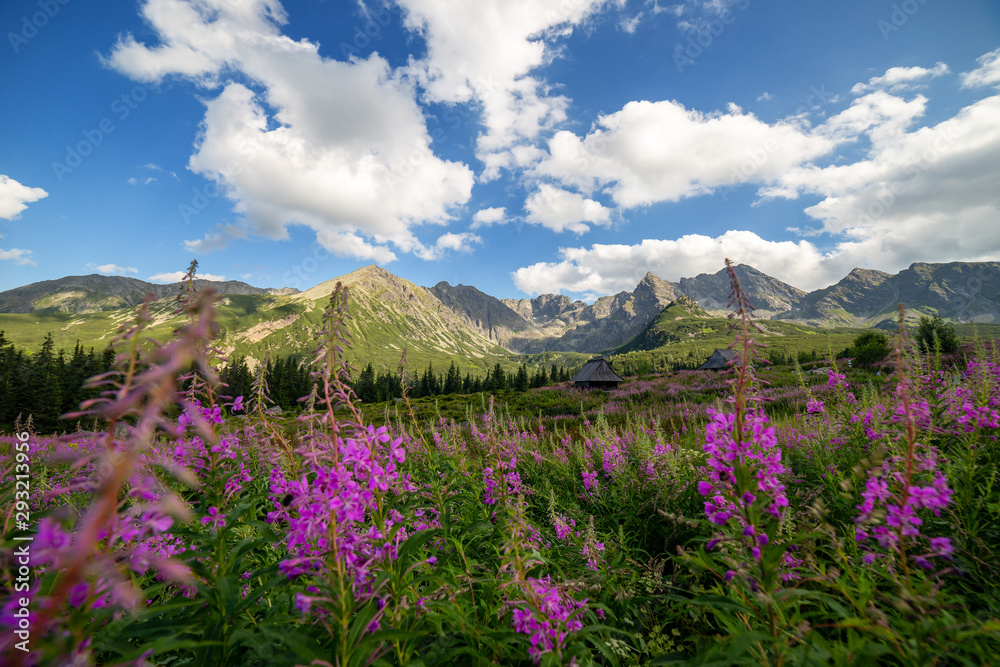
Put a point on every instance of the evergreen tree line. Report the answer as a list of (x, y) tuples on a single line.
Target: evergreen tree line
[(288, 379), (46, 384), (372, 387), (50, 382)]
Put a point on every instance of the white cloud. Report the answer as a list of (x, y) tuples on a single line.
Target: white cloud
[(897, 79), (340, 147), (19, 256), (446, 242), (561, 210), (14, 198), (349, 244), (929, 193), (764, 97), (486, 51), (177, 276), (155, 167), (704, 16), (882, 117), (629, 25), (607, 269), (494, 215), (457, 242), (660, 151), (218, 240), (113, 269), (987, 74)]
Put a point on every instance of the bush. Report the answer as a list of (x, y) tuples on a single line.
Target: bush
[(869, 348), (936, 335)]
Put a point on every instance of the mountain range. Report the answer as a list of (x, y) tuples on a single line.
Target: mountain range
[(461, 322)]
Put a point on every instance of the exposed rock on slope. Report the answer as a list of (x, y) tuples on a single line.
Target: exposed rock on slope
[(769, 296), (958, 291), (482, 312), (859, 296)]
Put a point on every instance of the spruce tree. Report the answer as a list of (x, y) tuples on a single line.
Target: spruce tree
[(520, 381), (365, 386), (453, 381)]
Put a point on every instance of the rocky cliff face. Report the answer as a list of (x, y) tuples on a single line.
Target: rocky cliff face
[(491, 317), (555, 322), (769, 296), (957, 291), (859, 296)]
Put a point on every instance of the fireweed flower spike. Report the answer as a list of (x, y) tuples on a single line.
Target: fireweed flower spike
[(907, 481), (744, 484)]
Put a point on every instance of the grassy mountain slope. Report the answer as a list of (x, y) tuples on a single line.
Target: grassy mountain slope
[(97, 293), (387, 313)]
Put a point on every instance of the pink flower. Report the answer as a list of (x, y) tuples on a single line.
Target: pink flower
[(214, 518)]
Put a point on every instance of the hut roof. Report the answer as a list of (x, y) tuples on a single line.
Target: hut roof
[(719, 359), (597, 370)]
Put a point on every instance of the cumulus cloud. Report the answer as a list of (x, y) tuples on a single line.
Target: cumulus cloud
[(463, 242), (897, 79), (14, 197), (486, 52), (349, 244), (987, 74), (610, 268), (114, 269), (296, 138), (561, 210), (661, 151), (881, 117), (494, 215), (928, 193), (177, 276)]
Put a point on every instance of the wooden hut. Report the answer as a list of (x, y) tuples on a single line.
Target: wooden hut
[(719, 360), (597, 374)]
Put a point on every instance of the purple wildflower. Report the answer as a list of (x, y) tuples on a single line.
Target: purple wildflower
[(548, 616)]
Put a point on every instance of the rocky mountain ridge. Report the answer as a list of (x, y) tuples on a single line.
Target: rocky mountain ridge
[(462, 319)]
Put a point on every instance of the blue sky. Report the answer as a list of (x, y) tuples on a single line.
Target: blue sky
[(521, 146)]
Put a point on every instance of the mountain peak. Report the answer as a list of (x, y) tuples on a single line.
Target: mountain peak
[(372, 271)]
